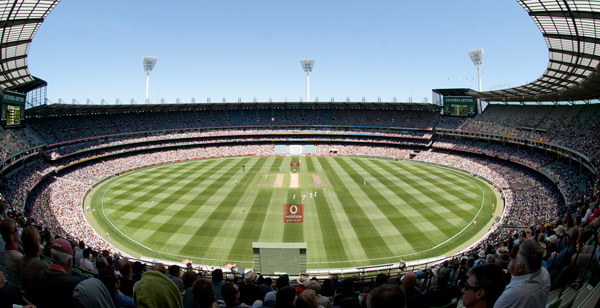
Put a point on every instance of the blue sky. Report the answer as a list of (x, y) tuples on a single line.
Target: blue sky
[(245, 49)]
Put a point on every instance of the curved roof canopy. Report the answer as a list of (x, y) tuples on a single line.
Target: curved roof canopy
[(571, 29), (19, 21)]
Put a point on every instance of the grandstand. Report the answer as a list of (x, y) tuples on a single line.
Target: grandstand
[(542, 156)]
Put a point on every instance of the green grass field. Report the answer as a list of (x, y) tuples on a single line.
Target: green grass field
[(366, 211)]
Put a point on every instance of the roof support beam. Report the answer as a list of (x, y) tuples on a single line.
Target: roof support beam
[(15, 43), (575, 38), (18, 22), (567, 14), (575, 54)]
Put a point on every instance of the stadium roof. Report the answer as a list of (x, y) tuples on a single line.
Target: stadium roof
[(54, 110), (571, 29), (19, 21)]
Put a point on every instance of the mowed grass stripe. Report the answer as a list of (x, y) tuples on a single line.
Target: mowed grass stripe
[(447, 207), (293, 232), (140, 180), (276, 166), (179, 221), (455, 183), (372, 243), (161, 230), (447, 184), (212, 226), (438, 220), (132, 194), (333, 237), (188, 182), (364, 193), (404, 225), (341, 222), (162, 199), (334, 248), (451, 207), (252, 226)]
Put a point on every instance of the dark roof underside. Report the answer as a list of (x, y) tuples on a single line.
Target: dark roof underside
[(571, 29), (67, 109), (19, 21)]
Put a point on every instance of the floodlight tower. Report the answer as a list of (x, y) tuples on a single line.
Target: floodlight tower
[(149, 63), (477, 58), (307, 66)]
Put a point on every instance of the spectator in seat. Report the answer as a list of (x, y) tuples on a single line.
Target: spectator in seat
[(56, 283), (322, 301), (530, 282), (126, 282), (483, 287), (174, 273), (12, 255), (413, 293), (285, 297), (385, 296), (91, 293), (443, 293), (231, 296), (379, 280), (86, 262), (307, 299), (109, 278), (145, 291), (271, 297), (189, 278), (217, 282), (204, 294), (31, 265), (250, 292), (348, 298), (79, 252)]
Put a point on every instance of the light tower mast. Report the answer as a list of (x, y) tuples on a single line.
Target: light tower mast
[(149, 63), (307, 66), (477, 58)]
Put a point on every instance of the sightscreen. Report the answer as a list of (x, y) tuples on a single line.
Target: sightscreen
[(279, 258)]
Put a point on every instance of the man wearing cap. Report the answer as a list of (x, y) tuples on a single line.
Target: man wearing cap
[(530, 283), (56, 283), (249, 291)]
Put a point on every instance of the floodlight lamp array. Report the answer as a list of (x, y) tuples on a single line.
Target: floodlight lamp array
[(307, 65), (149, 63), (476, 56)]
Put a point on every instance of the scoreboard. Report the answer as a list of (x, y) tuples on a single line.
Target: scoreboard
[(12, 108), (462, 106)]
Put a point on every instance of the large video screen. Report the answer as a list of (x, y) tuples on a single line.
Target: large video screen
[(12, 108), (461, 106)]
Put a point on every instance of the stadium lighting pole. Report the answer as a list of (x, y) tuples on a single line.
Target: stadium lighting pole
[(307, 66), (477, 58), (149, 63)]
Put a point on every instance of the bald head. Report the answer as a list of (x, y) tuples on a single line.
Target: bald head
[(409, 281)]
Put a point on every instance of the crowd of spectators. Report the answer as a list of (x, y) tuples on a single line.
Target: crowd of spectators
[(534, 207), (527, 157), (573, 184), (13, 141), (200, 137), (530, 199), (67, 128), (574, 127)]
